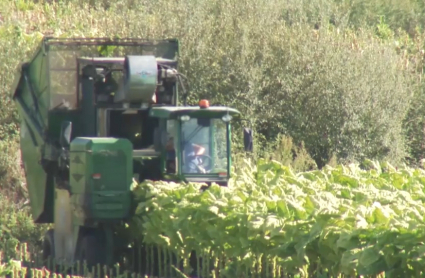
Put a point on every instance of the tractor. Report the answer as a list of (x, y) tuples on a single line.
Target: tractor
[(97, 114)]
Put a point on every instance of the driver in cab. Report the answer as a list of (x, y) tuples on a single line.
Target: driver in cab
[(191, 151)]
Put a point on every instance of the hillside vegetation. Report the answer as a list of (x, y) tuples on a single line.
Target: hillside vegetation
[(323, 81), (339, 76)]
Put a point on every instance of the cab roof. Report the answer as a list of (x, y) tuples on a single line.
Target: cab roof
[(172, 112)]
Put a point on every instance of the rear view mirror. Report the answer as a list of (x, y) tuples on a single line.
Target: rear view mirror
[(204, 122), (248, 139), (65, 135)]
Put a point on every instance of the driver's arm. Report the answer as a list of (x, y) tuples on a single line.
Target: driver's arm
[(199, 150), (170, 144)]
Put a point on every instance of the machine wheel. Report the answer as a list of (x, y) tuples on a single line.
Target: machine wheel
[(93, 251), (49, 248)]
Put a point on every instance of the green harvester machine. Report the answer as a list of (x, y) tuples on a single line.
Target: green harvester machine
[(98, 113)]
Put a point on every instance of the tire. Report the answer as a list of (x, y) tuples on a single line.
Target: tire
[(49, 248), (93, 251)]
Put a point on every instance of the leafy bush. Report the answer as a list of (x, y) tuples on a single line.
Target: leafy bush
[(284, 150), (17, 226), (337, 95), (12, 176)]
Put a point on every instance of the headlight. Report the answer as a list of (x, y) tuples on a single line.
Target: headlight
[(226, 118), (185, 118)]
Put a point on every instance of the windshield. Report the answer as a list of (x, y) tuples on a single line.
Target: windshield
[(204, 146)]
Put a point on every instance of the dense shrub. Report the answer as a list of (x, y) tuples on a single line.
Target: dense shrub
[(338, 95), (292, 67)]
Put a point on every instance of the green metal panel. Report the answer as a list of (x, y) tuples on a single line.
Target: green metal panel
[(113, 168), (40, 187), (37, 71), (40, 201), (106, 198), (39, 52)]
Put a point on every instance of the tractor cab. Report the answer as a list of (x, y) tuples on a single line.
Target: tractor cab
[(195, 142)]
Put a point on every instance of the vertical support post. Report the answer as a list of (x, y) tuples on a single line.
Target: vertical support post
[(212, 141), (179, 148), (229, 150), (88, 102)]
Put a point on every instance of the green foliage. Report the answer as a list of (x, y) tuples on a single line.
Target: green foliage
[(286, 152), (9, 267), (415, 129), (334, 89), (17, 226), (340, 220), (399, 14), (342, 99), (12, 178)]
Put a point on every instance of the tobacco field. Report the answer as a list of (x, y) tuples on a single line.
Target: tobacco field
[(338, 221)]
